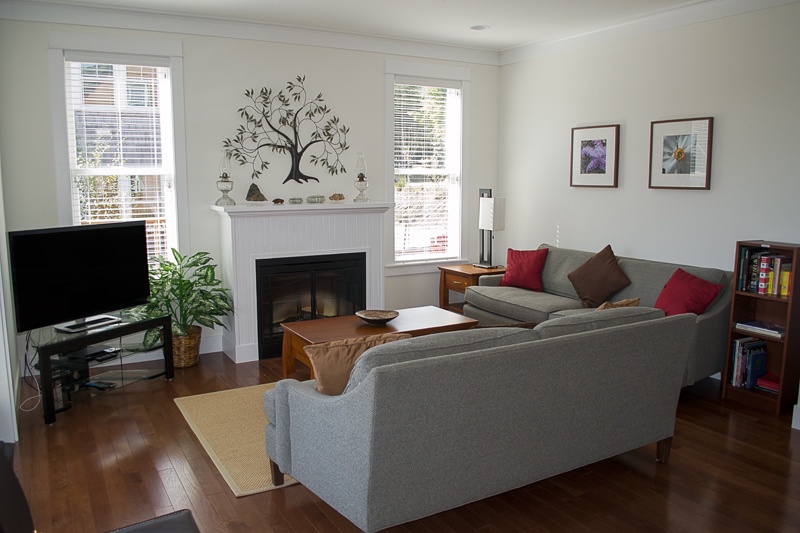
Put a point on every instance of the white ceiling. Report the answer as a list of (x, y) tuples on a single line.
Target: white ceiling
[(512, 23)]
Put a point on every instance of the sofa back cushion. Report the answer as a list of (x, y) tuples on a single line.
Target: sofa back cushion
[(594, 320), (560, 262), (647, 277), (434, 345)]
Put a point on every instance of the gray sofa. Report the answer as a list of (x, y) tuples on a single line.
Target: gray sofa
[(431, 423), (492, 304)]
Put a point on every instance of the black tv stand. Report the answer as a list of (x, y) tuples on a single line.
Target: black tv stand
[(57, 368)]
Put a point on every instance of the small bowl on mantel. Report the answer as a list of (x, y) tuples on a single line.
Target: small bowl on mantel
[(376, 317)]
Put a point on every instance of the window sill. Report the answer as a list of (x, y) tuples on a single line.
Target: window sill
[(421, 267)]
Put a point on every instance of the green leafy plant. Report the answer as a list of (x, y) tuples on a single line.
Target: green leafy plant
[(188, 290)]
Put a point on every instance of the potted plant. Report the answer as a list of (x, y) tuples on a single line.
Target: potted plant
[(188, 290)]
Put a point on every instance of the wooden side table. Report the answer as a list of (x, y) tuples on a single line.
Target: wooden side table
[(457, 278)]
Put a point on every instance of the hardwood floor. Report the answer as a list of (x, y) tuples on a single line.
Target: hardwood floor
[(128, 455)]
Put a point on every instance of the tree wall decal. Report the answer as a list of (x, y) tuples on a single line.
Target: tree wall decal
[(288, 122)]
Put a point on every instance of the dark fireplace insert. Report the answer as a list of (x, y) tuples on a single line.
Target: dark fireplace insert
[(306, 288)]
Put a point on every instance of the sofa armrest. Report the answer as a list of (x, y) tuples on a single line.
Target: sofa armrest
[(276, 407), (490, 280), (332, 441), (710, 345)]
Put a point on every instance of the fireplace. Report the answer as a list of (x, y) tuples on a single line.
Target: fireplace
[(251, 233), (290, 289)]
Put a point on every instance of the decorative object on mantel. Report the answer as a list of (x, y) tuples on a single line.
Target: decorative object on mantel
[(315, 199), (361, 182), (336, 197), (279, 121), (295, 200), (278, 201), (680, 153), (188, 290), (254, 194), (224, 183)]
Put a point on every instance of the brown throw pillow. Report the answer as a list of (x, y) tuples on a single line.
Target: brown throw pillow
[(628, 302), (333, 361), (598, 278)]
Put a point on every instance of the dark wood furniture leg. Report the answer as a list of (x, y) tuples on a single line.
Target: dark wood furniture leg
[(662, 450), (277, 475)]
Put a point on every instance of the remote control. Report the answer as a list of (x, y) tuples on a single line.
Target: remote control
[(107, 355), (100, 385)]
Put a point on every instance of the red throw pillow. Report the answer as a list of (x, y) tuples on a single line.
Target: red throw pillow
[(685, 293), (524, 269)]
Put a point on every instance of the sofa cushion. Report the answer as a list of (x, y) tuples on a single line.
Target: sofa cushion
[(333, 361), (598, 278), (627, 302), (578, 323), (520, 305), (524, 269), (685, 293), (649, 277), (434, 345)]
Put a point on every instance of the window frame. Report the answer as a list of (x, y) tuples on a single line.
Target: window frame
[(435, 75), (116, 49)]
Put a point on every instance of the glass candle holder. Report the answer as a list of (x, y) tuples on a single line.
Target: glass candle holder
[(361, 184)]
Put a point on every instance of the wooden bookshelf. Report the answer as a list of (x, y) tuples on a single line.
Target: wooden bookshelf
[(783, 354)]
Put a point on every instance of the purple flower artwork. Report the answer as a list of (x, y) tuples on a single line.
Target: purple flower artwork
[(593, 156)]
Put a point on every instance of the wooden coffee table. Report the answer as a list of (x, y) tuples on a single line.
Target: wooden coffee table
[(417, 321)]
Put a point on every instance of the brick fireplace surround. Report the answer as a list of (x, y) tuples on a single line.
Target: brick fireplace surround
[(250, 232)]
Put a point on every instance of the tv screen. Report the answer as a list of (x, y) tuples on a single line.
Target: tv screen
[(68, 273)]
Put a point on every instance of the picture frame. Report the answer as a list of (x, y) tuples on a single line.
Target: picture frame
[(680, 153), (594, 156)]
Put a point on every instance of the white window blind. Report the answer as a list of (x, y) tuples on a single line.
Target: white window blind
[(119, 122), (427, 172)]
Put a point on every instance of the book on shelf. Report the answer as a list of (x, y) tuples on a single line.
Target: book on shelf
[(784, 278), (766, 272), (743, 281), (763, 328), (769, 382), (749, 361), (756, 367), (754, 258)]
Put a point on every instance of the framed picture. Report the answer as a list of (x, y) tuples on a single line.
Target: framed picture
[(680, 153), (595, 150)]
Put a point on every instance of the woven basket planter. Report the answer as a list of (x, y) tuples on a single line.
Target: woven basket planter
[(186, 348)]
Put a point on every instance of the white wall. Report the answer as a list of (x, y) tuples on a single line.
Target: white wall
[(742, 70), (217, 70)]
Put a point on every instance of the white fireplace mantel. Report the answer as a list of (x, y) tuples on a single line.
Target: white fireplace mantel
[(251, 232)]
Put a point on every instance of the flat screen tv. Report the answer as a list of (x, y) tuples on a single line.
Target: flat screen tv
[(76, 273)]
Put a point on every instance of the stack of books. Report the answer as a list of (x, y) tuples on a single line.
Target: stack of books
[(762, 328), (768, 382), (749, 362), (763, 272)]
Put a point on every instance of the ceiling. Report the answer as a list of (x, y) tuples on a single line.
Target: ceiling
[(511, 23)]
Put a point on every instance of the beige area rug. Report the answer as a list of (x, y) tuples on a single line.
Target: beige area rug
[(230, 426)]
